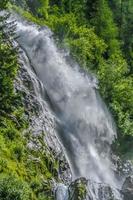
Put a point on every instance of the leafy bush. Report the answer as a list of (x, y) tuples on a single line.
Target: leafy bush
[(3, 165), (18, 151), (13, 189)]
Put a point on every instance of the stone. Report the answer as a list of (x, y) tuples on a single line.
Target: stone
[(127, 188), (78, 189)]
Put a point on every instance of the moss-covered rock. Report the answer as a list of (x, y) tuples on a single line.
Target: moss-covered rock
[(78, 189)]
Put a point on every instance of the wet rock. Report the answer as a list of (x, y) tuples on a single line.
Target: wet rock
[(122, 168), (41, 133), (108, 193), (61, 192), (64, 169), (127, 188), (78, 189), (102, 191)]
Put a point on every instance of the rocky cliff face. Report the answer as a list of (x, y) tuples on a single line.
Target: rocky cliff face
[(127, 188), (42, 123)]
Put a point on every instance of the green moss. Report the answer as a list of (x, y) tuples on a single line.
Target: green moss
[(78, 190)]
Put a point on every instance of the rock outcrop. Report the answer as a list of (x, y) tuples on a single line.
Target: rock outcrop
[(127, 188), (78, 189)]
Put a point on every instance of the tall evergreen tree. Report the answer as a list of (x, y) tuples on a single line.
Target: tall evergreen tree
[(100, 16), (123, 15), (71, 6)]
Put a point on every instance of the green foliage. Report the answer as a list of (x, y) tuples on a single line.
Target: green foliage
[(38, 7), (16, 158), (78, 190), (102, 18), (8, 67), (12, 188), (85, 46), (124, 18), (116, 88), (26, 163), (43, 9), (77, 7), (3, 4), (99, 36)]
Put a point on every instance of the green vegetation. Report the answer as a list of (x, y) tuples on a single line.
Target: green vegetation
[(78, 190), (100, 37), (11, 188), (25, 172)]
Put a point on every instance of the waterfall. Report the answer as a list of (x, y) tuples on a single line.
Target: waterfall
[(84, 125)]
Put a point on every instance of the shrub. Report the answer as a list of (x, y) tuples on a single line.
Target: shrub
[(13, 189)]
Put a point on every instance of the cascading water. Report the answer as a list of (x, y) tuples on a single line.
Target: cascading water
[(85, 127)]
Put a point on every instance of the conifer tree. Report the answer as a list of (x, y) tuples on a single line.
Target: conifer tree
[(101, 17), (43, 9)]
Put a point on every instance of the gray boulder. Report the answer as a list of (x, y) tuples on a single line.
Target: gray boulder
[(127, 188)]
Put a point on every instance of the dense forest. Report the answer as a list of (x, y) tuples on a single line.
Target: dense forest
[(99, 35)]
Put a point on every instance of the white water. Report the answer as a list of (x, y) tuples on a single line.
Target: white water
[(85, 126)]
